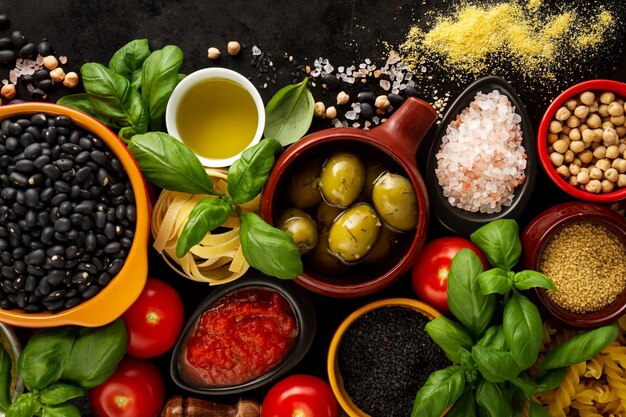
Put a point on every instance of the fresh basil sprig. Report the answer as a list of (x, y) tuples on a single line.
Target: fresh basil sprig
[(208, 214), (128, 61), (442, 389), (289, 113), (499, 241)]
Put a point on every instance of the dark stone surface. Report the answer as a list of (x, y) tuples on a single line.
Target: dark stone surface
[(346, 32)]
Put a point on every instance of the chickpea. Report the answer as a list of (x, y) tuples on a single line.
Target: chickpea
[(586, 156), (588, 135), (617, 120), (8, 91), (573, 121), (607, 97), (611, 174), (609, 136), (574, 169), (607, 186), (612, 152), (568, 156), (583, 177), (621, 180), (593, 121), (71, 79), (213, 53), (595, 173), (565, 131), (331, 113), (616, 109), (573, 181), (563, 171), (620, 165), (556, 159), (603, 110), (233, 48), (319, 109), (599, 152), (593, 186), (50, 62), (57, 75), (560, 146), (581, 112), (621, 147), (342, 98), (571, 104), (587, 97), (577, 162), (593, 107), (621, 131), (562, 114), (604, 164), (555, 126), (552, 137), (607, 124), (577, 146), (598, 135), (574, 134), (382, 102)]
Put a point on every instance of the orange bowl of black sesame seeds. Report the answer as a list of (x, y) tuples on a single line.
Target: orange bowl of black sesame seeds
[(581, 247)]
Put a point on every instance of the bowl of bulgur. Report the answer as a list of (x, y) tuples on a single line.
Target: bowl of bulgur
[(581, 247), (582, 141)]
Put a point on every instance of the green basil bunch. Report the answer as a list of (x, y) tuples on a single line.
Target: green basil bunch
[(491, 352), (172, 165), (59, 364), (130, 95), (289, 113)]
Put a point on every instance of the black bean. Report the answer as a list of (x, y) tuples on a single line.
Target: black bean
[(31, 197), (30, 283), (4, 244), (58, 199), (410, 92), (104, 278), (62, 225), (71, 252), (83, 174), (51, 171), (115, 267), (125, 242), (120, 212), (18, 39), (112, 247), (50, 135), (31, 219), (85, 207), (64, 164), (91, 291), (8, 272), (6, 257), (395, 100), (56, 277), (38, 94), (72, 302), (70, 149), (5, 43), (47, 194), (22, 299), (90, 242), (36, 257), (367, 110), (76, 219), (55, 250), (82, 158), (11, 143), (131, 212), (85, 143), (44, 48), (79, 277), (18, 179), (111, 215), (62, 187), (27, 51), (32, 150), (366, 97), (35, 271), (98, 157), (57, 261), (62, 121), (36, 179), (45, 85), (117, 166), (118, 188), (8, 193), (7, 56), (109, 231)]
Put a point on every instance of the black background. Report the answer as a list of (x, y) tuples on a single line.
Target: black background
[(346, 32)]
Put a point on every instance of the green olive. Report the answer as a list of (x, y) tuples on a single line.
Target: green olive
[(394, 199), (321, 260), (371, 175), (301, 227), (326, 215), (342, 179), (354, 233), (386, 243), (302, 190)]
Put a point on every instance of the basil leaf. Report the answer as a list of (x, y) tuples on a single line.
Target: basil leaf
[(442, 389), (59, 393), (550, 380), (450, 336), (537, 410), (525, 383), (493, 338), (492, 398), (495, 281), (159, 76), (95, 354), (113, 97), (25, 405), (465, 358), (81, 102), (208, 214), (499, 241), (494, 365), (268, 249), (465, 299), (170, 164), (464, 407), (127, 61), (62, 410), (45, 356), (5, 379), (527, 279), (248, 174), (126, 133), (523, 330), (580, 348), (289, 114)]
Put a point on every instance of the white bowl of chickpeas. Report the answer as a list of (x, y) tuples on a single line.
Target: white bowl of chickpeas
[(582, 141)]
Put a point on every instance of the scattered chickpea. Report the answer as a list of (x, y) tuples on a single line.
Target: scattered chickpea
[(382, 102), (50, 62), (57, 75), (8, 91), (213, 53), (593, 186), (71, 79), (331, 113), (555, 126), (598, 132), (587, 97), (342, 98), (233, 48), (562, 114), (319, 109), (607, 97)]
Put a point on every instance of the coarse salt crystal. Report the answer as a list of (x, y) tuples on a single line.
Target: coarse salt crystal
[(256, 50)]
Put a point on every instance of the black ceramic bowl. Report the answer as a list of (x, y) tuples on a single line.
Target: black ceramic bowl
[(306, 323), (460, 221)]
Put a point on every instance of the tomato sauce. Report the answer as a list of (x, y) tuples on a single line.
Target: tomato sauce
[(241, 337)]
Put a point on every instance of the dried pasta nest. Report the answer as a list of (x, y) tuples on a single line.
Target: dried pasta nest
[(218, 258)]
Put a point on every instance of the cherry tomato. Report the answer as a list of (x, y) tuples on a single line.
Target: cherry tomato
[(429, 274), (154, 321), (300, 396), (134, 390)]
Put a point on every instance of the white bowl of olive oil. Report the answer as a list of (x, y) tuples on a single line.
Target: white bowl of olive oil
[(218, 113)]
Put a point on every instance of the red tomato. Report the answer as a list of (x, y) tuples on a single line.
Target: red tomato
[(429, 274), (134, 390), (154, 321), (300, 396)]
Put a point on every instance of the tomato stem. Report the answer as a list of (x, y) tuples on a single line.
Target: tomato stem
[(152, 317), (121, 401)]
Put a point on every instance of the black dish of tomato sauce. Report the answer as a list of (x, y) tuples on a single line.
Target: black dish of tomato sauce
[(67, 214)]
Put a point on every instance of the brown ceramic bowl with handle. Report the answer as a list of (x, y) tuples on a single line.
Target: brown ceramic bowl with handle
[(536, 236), (396, 140)]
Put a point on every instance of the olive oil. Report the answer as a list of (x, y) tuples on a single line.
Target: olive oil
[(217, 119)]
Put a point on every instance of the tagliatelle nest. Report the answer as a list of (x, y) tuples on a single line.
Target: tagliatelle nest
[(218, 258)]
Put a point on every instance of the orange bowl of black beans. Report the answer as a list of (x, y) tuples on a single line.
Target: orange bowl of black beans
[(74, 219), (581, 247), (380, 356)]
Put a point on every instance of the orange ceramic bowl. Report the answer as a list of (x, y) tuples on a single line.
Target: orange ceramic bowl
[(125, 287), (334, 376)]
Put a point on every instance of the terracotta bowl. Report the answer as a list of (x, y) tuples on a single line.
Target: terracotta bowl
[(332, 364), (125, 287), (397, 139), (542, 139), (460, 221), (534, 239), (306, 324)]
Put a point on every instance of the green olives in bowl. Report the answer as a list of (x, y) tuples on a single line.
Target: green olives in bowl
[(342, 179), (394, 199), (354, 233), (301, 227)]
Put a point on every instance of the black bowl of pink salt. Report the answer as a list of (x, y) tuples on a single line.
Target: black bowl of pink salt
[(244, 335), (481, 164)]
